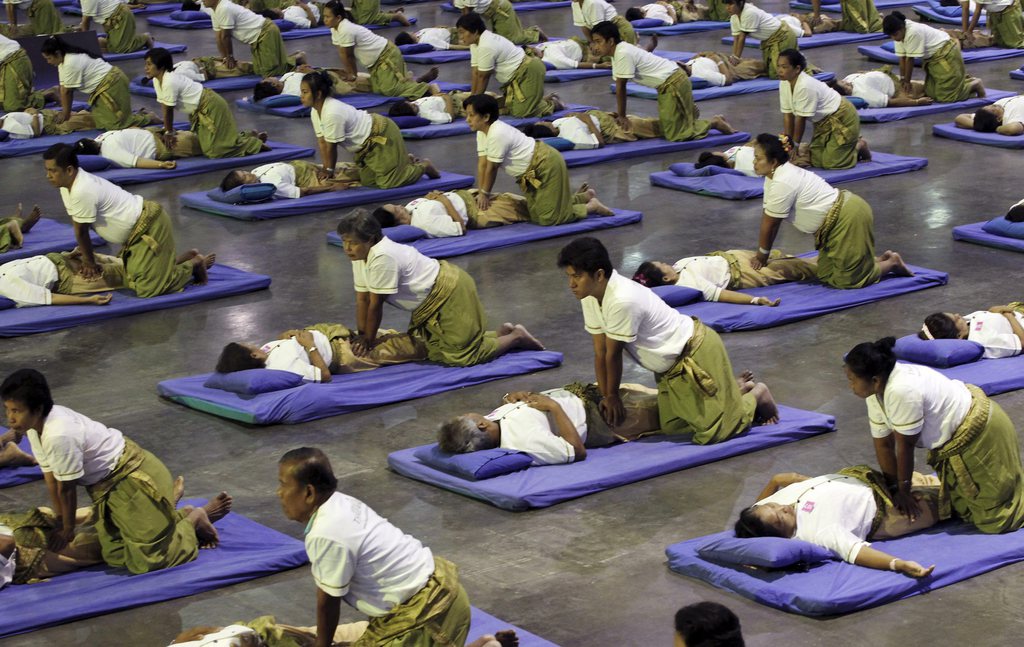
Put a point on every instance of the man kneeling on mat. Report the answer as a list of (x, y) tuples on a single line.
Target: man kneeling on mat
[(841, 512), (553, 427)]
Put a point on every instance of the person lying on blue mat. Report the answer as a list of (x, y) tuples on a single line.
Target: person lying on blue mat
[(881, 89), (55, 279), (437, 109), (294, 179), (440, 38), (13, 228), (34, 123), (290, 83), (572, 54), (595, 129), (1000, 329), (141, 148), (841, 512), (26, 552), (669, 13), (1005, 116), (555, 426)]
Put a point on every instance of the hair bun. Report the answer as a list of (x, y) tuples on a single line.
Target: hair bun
[(885, 344)]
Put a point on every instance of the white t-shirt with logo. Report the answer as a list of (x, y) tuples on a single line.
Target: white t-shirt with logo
[(990, 329), (919, 400)]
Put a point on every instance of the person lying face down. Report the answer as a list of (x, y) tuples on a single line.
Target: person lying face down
[(553, 427), (1000, 329), (841, 512), (25, 553), (1005, 116), (295, 179)]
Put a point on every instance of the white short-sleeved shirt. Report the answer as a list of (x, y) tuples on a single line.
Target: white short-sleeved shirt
[(289, 355), (479, 6), (919, 400), (82, 72), (494, 52), (525, 429), (832, 511), (7, 564), (655, 11), (403, 275), (433, 218), (281, 175), (754, 21), (28, 281), (126, 147), (340, 123), (20, 124), (920, 41), (810, 98), (632, 62), (875, 88), (709, 274), (654, 333), (7, 47), (575, 130), (73, 446), (292, 83), (503, 144), (707, 68), (190, 70), (245, 25), (434, 109), (590, 12), (177, 90), (358, 555), (230, 636), (111, 210), (367, 45), (800, 192), (989, 329), (793, 23), (992, 6), (436, 37), (562, 54), (101, 10), (742, 158), (1013, 109), (298, 16)]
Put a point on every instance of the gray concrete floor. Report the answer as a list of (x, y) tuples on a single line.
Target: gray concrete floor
[(587, 572)]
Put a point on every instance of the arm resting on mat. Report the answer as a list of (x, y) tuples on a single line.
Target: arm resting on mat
[(608, 367), (486, 173), (731, 296), (769, 230), (872, 558), (328, 610), (780, 481), (965, 121), (1012, 129)]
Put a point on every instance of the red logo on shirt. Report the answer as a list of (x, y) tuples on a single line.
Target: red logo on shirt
[(809, 506)]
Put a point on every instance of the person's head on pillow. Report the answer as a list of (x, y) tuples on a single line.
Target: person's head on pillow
[(191, 5), (843, 87), (403, 108), (237, 356), (272, 14), (237, 178), (268, 87), (707, 624), (988, 119), (405, 38), (766, 520), (944, 325), (359, 231), (470, 432), (392, 215), (635, 13), (86, 146), (1016, 212), (654, 274), (305, 481), (712, 158), (540, 130)]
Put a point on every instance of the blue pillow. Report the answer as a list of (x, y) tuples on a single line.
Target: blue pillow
[(889, 46), (677, 295), (280, 101), (190, 16), (284, 25), (559, 143), (549, 66), (411, 121), (93, 163), (142, 79), (416, 48), (940, 353), (766, 552), (474, 466), (1002, 227), (6, 304), (685, 169), (404, 233), (245, 194), (857, 102), (4, 135), (645, 23), (253, 381)]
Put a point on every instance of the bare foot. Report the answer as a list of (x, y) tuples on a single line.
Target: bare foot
[(556, 102), (526, 340), (200, 266), (719, 123), (31, 219), (186, 256), (744, 377), (598, 208), (399, 16), (12, 456), (584, 188), (430, 170), (218, 507), (506, 328), (766, 412), (179, 488), (863, 152), (746, 387), (300, 58), (653, 43), (205, 532), (924, 101), (429, 75), (899, 268)]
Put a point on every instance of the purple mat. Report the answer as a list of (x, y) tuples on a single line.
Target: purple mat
[(460, 127), (75, 9), (818, 40), (247, 551), (609, 467), (836, 8), (683, 28), (143, 87), (935, 12), (829, 588), (361, 100), (481, 623), (48, 236), (973, 233), (993, 376), (717, 92), (348, 393), (1017, 74), (520, 7), (950, 131), (650, 147), (883, 115), (11, 476), (127, 56), (564, 76), (886, 54)]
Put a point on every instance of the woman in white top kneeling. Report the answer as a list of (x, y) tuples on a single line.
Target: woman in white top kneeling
[(945, 78)]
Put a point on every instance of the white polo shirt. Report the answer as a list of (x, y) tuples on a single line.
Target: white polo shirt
[(709, 274), (73, 446), (562, 54), (707, 68), (793, 23), (434, 109), (292, 83), (754, 21), (632, 62), (875, 88), (289, 355), (742, 158), (590, 12), (433, 218), (528, 430), (810, 98), (7, 47), (244, 24), (1013, 109), (298, 16), (505, 144), (82, 72), (190, 70), (111, 210), (437, 37), (800, 192), (478, 6), (20, 124), (101, 10), (919, 400), (357, 555), (367, 45), (177, 90), (990, 329), (281, 175), (126, 147), (655, 11), (494, 52), (28, 281), (920, 41), (340, 123), (403, 275), (653, 332), (230, 636), (575, 130)]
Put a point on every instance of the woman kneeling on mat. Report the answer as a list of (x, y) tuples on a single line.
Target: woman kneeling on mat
[(945, 78), (1000, 329), (841, 221), (841, 512), (972, 444), (775, 35)]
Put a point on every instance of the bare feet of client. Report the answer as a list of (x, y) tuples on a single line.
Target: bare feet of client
[(766, 412), (203, 518), (430, 170), (718, 122), (506, 329), (30, 220), (179, 488), (429, 75), (863, 152), (596, 207), (745, 380), (186, 256), (518, 337), (556, 102)]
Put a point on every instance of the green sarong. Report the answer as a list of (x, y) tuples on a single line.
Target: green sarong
[(846, 244), (860, 17), (149, 255), (44, 18), (451, 321), (390, 77), (945, 78), (215, 128), (677, 112), (31, 531), (70, 281), (16, 78), (268, 53), (77, 121), (524, 92), (111, 103), (626, 32), (136, 520), (834, 144), (699, 394), (505, 22), (1007, 27), (383, 161), (717, 11), (771, 47), (6, 238), (367, 12), (121, 37), (545, 184), (980, 468)]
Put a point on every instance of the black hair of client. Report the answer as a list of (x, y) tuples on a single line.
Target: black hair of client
[(773, 149), (1016, 213), (634, 13), (404, 38), (709, 158), (86, 146), (402, 108), (709, 624), (794, 58), (62, 154), (471, 22), (161, 59), (232, 180), (941, 326), (264, 89), (872, 359), (608, 31), (985, 121), (538, 131), (310, 466), (893, 23), (236, 357), (28, 386), (361, 225), (191, 5), (586, 254), (320, 84), (384, 217), (738, 3), (749, 525), (483, 104), (650, 275)]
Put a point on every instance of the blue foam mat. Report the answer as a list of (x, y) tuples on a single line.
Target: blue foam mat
[(715, 92), (935, 12), (732, 186), (993, 376), (361, 100), (438, 56), (649, 147), (883, 115), (223, 281), (247, 551), (75, 9), (880, 53), (11, 476), (460, 127), (279, 207), (478, 240), (481, 622), (950, 131), (279, 152), (136, 85), (973, 233), (879, 4), (48, 236), (348, 393), (520, 7), (805, 300), (38, 145), (684, 28), (1017, 74), (141, 53), (828, 588), (564, 76), (610, 467), (819, 40), (168, 22)]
